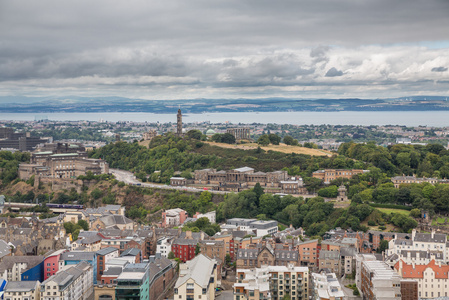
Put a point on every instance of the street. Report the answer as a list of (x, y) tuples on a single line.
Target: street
[(129, 178)]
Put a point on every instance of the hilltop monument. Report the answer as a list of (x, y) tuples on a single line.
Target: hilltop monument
[(179, 123)]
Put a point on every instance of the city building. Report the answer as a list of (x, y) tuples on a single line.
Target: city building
[(62, 161), (240, 179), (398, 180), (330, 260), (379, 281), (163, 247), (25, 268), (411, 248), (51, 263), (22, 141), (173, 217), (432, 278), (210, 215), (134, 282), (326, 287), (327, 175), (213, 249), (283, 280), (76, 257), (72, 282), (309, 252), (197, 279), (22, 290), (266, 255), (103, 256), (258, 227), (254, 285)]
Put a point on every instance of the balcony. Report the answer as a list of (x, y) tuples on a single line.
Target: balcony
[(190, 291)]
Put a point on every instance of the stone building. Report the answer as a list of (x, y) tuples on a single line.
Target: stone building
[(327, 175), (62, 161), (239, 179), (266, 255), (149, 135), (240, 133)]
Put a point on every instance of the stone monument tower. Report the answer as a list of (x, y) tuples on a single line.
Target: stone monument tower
[(179, 123), (342, 193)]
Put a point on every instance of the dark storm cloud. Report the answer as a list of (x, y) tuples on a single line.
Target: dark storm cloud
[(333, 72), (207, 45), (439, 69)]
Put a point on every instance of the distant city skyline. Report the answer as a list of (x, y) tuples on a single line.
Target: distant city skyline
[(224, 49)]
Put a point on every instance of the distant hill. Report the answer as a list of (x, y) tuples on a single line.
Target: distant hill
[(22, 104)]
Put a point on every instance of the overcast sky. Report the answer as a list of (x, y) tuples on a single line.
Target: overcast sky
[(224, 49)]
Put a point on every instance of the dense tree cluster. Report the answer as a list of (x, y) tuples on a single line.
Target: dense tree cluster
[(9, 165)]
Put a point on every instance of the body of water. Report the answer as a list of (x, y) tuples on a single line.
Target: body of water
[(407, 118)]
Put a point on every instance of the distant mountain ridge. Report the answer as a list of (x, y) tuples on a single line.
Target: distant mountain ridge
[(22, 104)]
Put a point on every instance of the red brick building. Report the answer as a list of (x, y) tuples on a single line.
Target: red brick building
[(184, 249)]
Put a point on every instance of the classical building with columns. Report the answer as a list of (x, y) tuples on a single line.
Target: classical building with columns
[(240, 133), (245, 178)]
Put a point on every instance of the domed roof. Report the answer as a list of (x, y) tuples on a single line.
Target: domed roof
[(210, 132)]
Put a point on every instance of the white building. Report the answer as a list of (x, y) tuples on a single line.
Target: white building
[(210, 215), (259, 227), (71, 283), (254, 285), (22, 290), (435, 244), (432, 278), (163, 246), (326, 287)]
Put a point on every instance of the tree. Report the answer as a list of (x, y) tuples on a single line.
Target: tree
[(197, 249), (288, 140), (228, 138), (83, 224), (263, 140), (382, 246), (171, 255), (274, 138), (194, 134), (415, 213), (258, 190), (228, 259)]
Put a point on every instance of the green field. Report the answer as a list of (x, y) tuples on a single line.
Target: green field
[(394, 210)]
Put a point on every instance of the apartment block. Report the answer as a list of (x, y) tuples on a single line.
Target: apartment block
[(379, 281), (291, 280), (197, 279), (72, 282)]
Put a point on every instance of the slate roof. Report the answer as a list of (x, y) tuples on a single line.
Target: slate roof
[(427, 238), (181, 241), (199, 269), (112, 220), (9, 261), (113, 271), (81, 255), (106, 251), (21, 286), (130, 252), (5, 249)]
